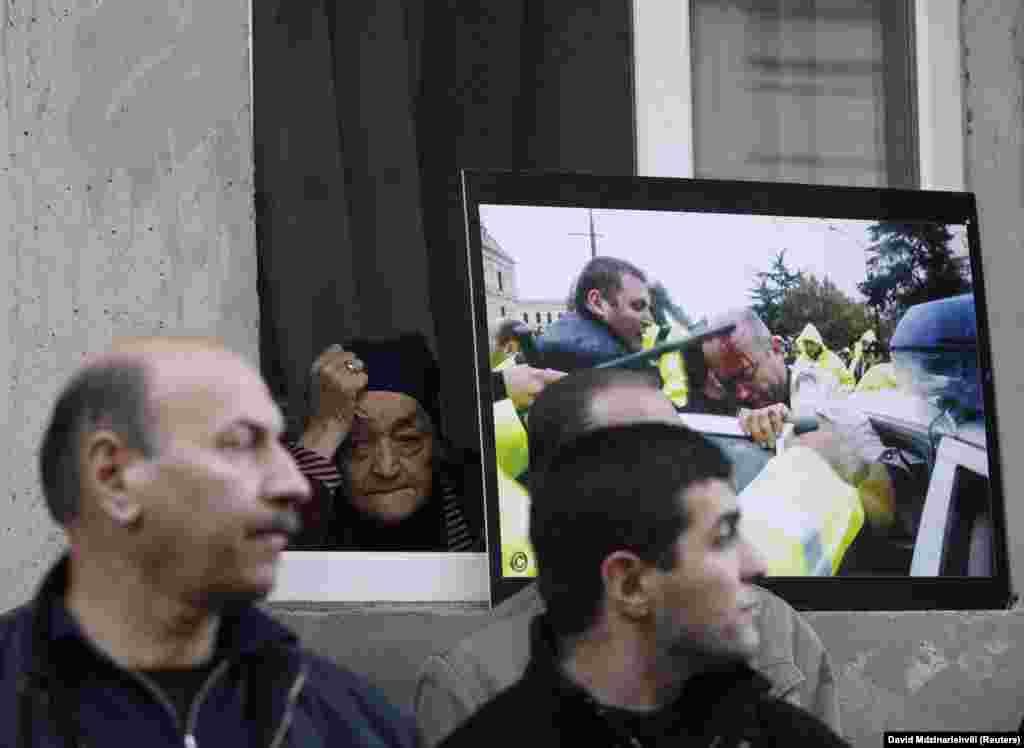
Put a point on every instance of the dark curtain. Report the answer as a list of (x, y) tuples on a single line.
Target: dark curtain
[(364, 112)]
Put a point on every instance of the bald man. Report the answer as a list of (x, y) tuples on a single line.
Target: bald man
[(162, 463)]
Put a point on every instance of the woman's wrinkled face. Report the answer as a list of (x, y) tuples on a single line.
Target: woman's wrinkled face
[(390, 469)]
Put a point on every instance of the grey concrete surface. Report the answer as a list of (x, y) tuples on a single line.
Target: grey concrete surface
[(895, 671), (993, 39), (925, 671), (126, 206)]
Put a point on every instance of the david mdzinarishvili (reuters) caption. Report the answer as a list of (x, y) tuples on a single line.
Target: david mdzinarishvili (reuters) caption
[(951, 738)]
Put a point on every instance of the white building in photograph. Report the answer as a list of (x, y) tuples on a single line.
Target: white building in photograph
[(499, 279), (502, 290), (539, 313)]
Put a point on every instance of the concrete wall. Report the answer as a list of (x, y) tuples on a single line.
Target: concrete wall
[(127, 208), (925, 671), (125, 200), (895, 671), (993, 37)]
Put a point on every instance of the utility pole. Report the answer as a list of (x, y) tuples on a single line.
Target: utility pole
[(592, 234)]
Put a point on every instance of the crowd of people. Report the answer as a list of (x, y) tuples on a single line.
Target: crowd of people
[(862, 368), (166, 465), (734, 366)]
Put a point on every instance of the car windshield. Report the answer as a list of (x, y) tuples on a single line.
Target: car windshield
[(948, 379)]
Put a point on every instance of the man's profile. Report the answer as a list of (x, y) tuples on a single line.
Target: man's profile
[(650, 616), (163, 465), (456, 682)]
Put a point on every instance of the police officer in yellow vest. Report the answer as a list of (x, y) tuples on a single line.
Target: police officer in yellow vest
[(812, 351), (846, 355), (873, 372), (670, 325), (879, 377), (515, 387), (505, 340), (868, 365), (861, 358)]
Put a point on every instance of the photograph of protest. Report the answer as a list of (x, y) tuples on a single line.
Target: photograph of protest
[(834, 360)]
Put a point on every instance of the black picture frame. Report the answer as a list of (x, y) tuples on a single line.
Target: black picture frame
[(557, 189)]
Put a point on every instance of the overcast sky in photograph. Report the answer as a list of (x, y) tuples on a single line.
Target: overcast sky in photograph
[(707, 261)]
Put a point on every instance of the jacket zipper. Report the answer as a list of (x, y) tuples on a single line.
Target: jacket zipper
[(293, 697), (187, 730), (193, 711), (189, 739)]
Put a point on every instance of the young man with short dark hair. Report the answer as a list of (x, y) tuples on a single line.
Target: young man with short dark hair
[(454, 683), (651, 607)]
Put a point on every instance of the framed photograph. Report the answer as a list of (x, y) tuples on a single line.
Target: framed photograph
[(874, 308)]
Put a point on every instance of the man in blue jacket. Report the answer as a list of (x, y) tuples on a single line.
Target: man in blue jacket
[(162, 463), (611, 308)]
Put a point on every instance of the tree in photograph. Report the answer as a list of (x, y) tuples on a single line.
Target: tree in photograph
[(839, 319), (771, 289), (910, 263)]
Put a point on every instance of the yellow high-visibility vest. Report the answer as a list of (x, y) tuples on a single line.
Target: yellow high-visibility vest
[(671, 366), (879, 377), (513, 457), (800, 515)]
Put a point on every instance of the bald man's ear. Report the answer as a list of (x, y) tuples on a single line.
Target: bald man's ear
[(778, 345), (629, 584), (107, 463)]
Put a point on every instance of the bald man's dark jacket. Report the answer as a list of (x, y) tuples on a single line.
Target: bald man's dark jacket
[(57, 690)]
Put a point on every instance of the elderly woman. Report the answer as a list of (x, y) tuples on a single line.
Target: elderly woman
[(382, 474)]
